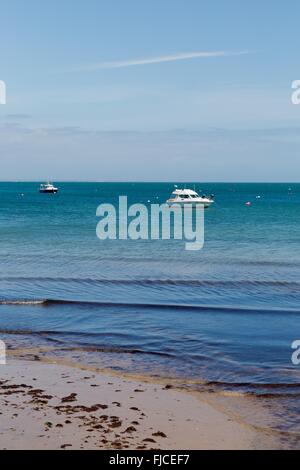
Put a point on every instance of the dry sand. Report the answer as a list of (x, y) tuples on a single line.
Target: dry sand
[(50, 406)]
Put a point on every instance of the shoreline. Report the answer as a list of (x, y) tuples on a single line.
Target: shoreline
[(46, 405)]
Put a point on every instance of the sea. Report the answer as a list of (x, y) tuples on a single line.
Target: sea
[(220, 320)]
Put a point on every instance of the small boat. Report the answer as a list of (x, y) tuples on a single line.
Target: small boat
[(189, 197), (48, 188)]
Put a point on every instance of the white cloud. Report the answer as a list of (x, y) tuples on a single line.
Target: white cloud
[(159, 59)]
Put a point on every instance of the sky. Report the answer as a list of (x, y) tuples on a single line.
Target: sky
[(172, 90)]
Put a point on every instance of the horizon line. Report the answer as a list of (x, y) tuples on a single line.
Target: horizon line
[(38, 181)]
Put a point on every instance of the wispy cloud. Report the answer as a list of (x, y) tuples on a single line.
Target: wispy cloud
[(158, 60), (17, 116)]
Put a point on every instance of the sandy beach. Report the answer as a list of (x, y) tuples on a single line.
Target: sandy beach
[(53, 406)]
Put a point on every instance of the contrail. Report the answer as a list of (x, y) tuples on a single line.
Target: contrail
[(158, 60)]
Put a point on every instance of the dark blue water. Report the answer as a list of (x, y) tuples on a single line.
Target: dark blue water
[(223, 317)]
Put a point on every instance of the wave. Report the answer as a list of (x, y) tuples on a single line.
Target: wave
[(22, 302), (160, 281), (276, 395), (148, 305), (82, 347), (260, 390), (161, 259), (256, 385), (66, 342)]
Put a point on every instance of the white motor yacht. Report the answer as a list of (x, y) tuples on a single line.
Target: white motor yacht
[(48, 188), (188, 196)]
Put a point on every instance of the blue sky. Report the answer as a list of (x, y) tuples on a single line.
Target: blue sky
[(156, 90)]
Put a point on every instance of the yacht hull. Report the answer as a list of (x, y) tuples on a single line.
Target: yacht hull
[(206, 204), (48, 191)]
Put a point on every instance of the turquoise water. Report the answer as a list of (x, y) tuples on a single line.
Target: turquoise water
[(222, 318)]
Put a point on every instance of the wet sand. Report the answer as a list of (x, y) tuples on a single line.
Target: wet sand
[(52, 406)]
